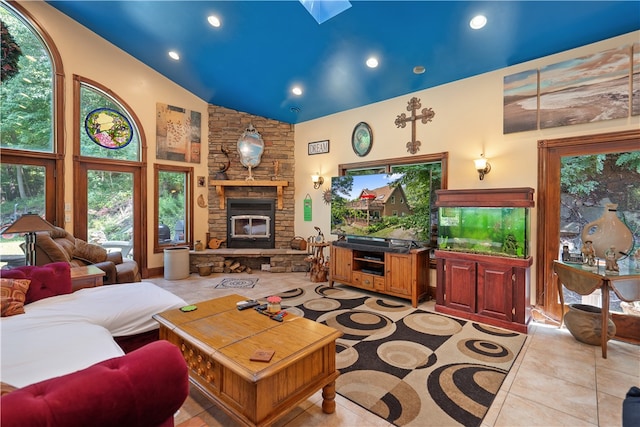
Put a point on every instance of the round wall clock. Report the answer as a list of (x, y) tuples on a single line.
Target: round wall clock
[(361, 139), (108, 128)]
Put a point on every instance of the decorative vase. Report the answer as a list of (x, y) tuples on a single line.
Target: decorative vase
[(608, 231), (199, 246), (585, 324)]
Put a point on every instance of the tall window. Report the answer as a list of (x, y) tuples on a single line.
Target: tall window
[(577, 175), (174, 195), (31, 131), (106, 120), (587, 184), (109, 171), (27, 90)]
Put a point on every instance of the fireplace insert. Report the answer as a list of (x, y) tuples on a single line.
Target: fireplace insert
[(251, 223)]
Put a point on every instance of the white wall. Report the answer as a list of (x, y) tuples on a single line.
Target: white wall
[(86, 54), (467, 122)]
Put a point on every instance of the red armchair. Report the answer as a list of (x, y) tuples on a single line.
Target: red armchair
[(143, 388)]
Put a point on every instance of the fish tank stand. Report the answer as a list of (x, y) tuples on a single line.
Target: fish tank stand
[(482, 261)]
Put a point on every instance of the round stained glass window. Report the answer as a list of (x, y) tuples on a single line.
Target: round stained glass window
[(108, 128)]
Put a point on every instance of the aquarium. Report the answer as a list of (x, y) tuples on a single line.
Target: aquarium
[(499, 231)]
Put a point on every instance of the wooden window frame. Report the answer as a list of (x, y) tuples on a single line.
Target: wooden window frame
[(53, 162), (83, 163), (189, 194), (550, 152)]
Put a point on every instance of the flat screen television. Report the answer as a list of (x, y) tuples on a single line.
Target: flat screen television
[(383, 207)]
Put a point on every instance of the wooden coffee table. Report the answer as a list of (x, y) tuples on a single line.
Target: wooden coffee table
[(217, 341)]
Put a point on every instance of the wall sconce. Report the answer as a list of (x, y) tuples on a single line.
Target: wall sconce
[(482, 166), (317, 180)]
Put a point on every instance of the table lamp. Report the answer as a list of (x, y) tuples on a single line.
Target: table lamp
[(29, 224)]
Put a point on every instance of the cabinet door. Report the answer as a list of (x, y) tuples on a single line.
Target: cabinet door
[(341, 260), (460, 285), (495, 291), (398, 273)]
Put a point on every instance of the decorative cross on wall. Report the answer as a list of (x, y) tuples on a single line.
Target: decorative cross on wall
[(402, 119)]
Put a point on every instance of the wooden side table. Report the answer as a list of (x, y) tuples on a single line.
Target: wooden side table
[(86, 277), (318, 268)]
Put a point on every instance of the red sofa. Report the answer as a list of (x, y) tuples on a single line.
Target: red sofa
[(61, 362), (142, 388)]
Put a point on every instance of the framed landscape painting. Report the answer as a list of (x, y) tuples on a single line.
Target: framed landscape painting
[(585, 90), (520, 102)]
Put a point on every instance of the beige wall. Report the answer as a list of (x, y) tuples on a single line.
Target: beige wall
[(86, 54), (468, 121)]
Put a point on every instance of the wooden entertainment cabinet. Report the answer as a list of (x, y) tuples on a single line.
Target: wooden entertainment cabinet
[(403, 274)]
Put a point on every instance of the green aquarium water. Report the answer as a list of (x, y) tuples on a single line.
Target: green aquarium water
[(489, 231)]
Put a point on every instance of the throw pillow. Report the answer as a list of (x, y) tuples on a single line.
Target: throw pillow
[(89, 252), (13, 292), (46, 280)]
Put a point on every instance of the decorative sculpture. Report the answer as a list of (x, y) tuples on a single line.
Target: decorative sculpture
[(427, 115), (222, 162), (589, 253), (610, 259), (250, 149)]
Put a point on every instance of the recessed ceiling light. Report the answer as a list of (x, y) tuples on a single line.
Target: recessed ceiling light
[(214, 21), (478, 22), (419, 69), (372, 62), (174, 55), (297, 90)]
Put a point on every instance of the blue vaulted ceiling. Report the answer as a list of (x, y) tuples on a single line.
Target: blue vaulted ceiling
[(264, 48)]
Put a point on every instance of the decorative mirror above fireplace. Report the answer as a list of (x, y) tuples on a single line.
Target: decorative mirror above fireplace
[(250, 149)]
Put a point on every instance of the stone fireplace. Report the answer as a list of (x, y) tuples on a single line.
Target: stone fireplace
[(273, 181), (276, 167)]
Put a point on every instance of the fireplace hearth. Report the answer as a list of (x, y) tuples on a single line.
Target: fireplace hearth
[(251, 223)]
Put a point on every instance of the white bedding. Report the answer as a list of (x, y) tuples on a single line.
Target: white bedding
[(66, 333), (32, 351), (122, 309)]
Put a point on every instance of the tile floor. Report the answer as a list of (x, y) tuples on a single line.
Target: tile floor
[(556, 380)]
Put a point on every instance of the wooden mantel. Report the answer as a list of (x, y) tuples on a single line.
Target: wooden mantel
[(222, 184)]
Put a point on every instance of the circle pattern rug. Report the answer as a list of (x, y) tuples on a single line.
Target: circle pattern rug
[(409, 366)]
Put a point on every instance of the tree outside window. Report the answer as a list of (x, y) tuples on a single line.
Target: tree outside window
[(174, 194)]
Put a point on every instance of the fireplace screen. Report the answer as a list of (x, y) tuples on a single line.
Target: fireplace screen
[(250, 226)]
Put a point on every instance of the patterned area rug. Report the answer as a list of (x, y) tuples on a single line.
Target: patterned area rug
[(231, 283), (409, 366)]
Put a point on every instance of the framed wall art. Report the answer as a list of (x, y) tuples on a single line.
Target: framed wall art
[(177, 134), (318, 147), (361, 139)]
